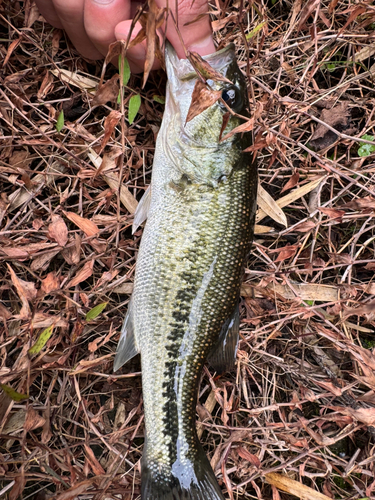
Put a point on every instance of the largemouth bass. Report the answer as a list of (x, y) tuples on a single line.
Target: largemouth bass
[(184, 308)]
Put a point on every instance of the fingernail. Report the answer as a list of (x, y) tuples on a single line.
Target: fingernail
[(102, 2)]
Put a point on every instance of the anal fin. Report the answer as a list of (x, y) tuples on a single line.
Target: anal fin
[(127, 347), (223, 356), (141, 212)]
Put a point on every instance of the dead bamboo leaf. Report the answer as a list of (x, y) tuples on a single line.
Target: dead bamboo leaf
[(88, 227), (26, 291), (291, 197), (58, 231), (268, 205), (201, 99), (126, 198), (293, 487), (73, 78), (83, 274)]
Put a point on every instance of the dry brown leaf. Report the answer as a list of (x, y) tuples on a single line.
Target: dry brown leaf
[(201, 99), (292, 196), (87, 226), (95, 465), (58, 230), (285, 252), (365, 52), (204, 69), (309, 9), (293, 487), (50, 283), (155, 17), (74, 78), (268, 205), (26, 291), (109, 124), (246, 455), (337, 117), (76, 490), (83, 274), (108, 92), (72, 254), (360, 203), (244, 127), (4, 313), (33, 420), (41, 262), (333, 213), (127, 199), (304, 227), (292, 182)]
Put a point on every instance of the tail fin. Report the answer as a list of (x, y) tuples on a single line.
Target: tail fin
[(185, 481)]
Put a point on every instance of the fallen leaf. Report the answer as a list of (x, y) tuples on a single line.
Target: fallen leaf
[(360, 203), (333, 213), (94, 463), (72, 254), (293, 487), (204, 69), (33, 420), (155, 18), (337, 117), (304, 227), (76, 490), (58, 231), (246, 455), (270, 207), (285, 252), (109, 124), (292, 182), (292, 196), (50, 283), (108, 92), (126, 198), (83, 274), (87, 226), (201, 99), (26, 291), (14, 395), (42, 340)]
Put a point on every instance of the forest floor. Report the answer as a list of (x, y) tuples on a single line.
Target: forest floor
[(297, 416)]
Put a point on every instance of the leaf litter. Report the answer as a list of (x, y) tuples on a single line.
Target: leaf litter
[(296, 417)]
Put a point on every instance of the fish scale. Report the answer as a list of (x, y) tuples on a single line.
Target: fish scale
[(188, 274)]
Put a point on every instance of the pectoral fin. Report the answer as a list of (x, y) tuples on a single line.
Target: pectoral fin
[(127, 347), (141, 212), (223, 356)]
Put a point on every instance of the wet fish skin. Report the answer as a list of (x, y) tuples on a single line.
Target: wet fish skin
[(188, 274)]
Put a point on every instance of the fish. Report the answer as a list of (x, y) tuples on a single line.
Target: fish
[(184, 310)]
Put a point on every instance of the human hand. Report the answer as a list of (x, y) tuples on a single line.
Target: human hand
[(94, 24)]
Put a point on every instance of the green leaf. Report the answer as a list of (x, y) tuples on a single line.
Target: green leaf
[(255, 30), (95, 311), (124, 68), (16, 396), (42, 340), (159, 98), (366, 149), (60, 121), (134, 105)]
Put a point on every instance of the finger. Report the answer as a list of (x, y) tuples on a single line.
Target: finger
[(49, 13), (70, 13), (101, 18), (137, 54), (194, 25)]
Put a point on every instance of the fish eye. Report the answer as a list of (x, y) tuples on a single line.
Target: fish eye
[(232, 97)]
